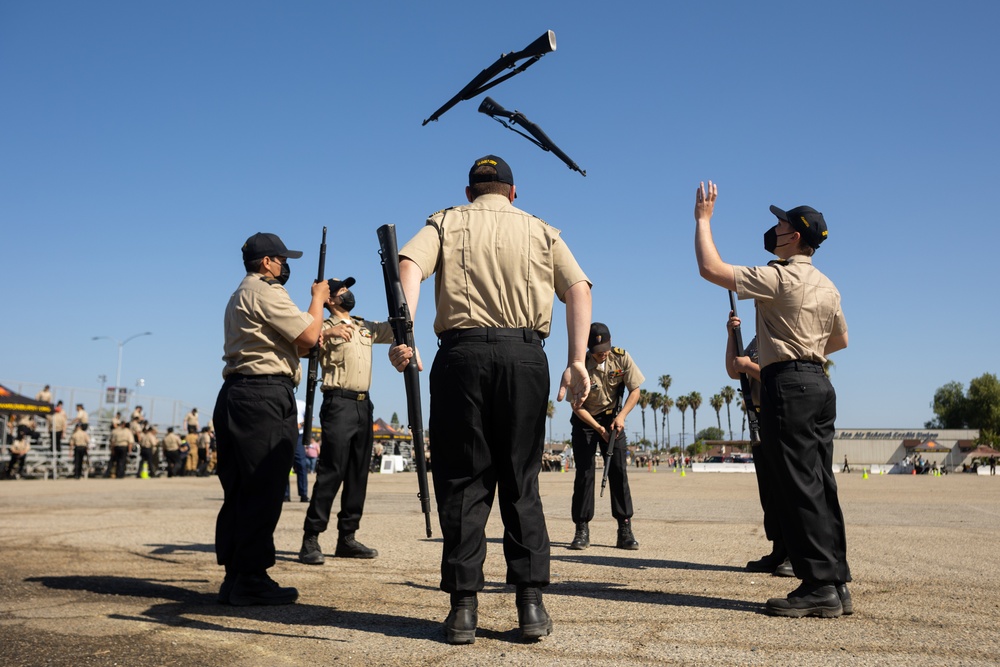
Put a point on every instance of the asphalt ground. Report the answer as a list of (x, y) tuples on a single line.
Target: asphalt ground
[(122, 572)]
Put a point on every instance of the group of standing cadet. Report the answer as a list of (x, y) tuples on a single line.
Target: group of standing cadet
[(489, 387)]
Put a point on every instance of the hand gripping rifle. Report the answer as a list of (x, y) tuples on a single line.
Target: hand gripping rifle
[(311, 379), (748, 403), (612, 437), (402, 333), (482, 83), (539, 138)]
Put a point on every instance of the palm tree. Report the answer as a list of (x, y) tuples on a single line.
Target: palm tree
[(728, 394), (655, 401), (664, 382), (716, 402), (682, 405), (743, 425), (694, 402), (550, 412), (665, 424), (643, 403)]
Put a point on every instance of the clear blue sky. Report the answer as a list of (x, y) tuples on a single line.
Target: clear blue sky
[(142, 143)]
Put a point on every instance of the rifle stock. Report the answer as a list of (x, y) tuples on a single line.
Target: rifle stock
[(751, 408), (312, 374), (402, 333)]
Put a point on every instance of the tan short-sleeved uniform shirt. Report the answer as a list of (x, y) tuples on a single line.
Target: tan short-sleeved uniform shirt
[(261, 325), (607, 379), (204, 440), (82, 417), (347, 364), (80, 438), (121, 437), (147, 440), (59, 421), (171, 442), (192, 419), (798, 309), (495, 266), (44, 396)]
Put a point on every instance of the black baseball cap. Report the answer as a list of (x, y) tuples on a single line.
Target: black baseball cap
[(503, 175), (267, 245), (599, 339), (806, 221), (336, 284)]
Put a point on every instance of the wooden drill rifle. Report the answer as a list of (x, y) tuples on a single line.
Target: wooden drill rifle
[(481, 83), (539, 138), (612, 436), (751, 409), (311, 376), (402, 333)]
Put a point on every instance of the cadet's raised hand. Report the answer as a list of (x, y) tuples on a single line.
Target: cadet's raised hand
[(704, 203)]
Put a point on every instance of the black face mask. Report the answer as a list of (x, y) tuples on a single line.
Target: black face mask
[(285, 272), (347, 301), (771, 239)]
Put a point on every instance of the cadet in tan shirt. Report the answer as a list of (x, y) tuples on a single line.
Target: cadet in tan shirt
[(497, 271), (255, 416), (82, 418), (80, 441), (147, 445), (121, 442), (612, 371), (58, 426), (172, 453), (799, 323), (346, 417)]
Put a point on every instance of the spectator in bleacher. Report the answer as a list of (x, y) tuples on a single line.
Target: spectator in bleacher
[(80, 441), (121, 441), (172, 452), (45, 395), (191, 421), (137, 415), (19, 448), (82, 418), (147, 445), (58, 426)]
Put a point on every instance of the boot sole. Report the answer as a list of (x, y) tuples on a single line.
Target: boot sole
[(460, 636), (312, 560), (578, 547), (250, 601), (364, 556), (537, 630), (821, 612)]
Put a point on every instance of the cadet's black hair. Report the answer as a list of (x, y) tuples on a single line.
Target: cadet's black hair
[(489, 187)]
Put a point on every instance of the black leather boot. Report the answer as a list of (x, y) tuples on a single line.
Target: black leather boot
[(626, 540), (460, 626), (581, 540), (845, 599), (815, 598), (532, 618), (311, 553), (259, 589), (348, 547)]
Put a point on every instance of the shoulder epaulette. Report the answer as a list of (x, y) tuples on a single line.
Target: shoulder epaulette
[(440, 212), (618, 350), (270, 281), (778, 262)]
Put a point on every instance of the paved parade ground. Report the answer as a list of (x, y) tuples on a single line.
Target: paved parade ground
[(122, 572)]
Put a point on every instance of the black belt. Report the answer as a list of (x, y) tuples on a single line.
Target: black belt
[(346, 393), (259, 379), (793, 365), (489, 335)]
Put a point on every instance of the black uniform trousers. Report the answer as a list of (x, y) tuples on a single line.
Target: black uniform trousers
[(344, 457), (79, 454), (767, 490), (489, 393), (145, 456), (798, 409), (585, 443), (256, 427), (118, 459)]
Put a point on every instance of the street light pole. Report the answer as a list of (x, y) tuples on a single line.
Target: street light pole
[(118, 372)]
